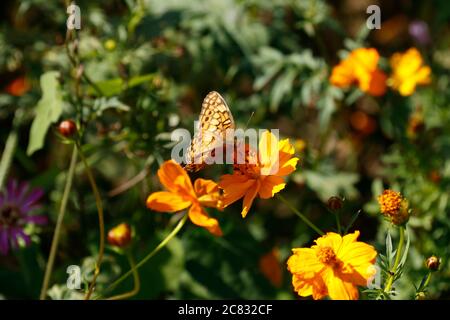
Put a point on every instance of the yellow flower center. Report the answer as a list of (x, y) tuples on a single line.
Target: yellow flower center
[(327, 256), (251, 166)]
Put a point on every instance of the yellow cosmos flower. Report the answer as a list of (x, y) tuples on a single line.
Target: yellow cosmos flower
[(181, 195), (333, 267), (360, 68), (263, 176), (408, 71)]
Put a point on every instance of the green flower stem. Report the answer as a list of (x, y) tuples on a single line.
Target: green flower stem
[(427, 282), (393, 271), (161, 245), (101, 223), (301, 216), (421, 291), (338, 222), (59, 222), (137, 284), (8, 154)]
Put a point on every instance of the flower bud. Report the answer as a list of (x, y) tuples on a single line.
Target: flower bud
[(394, 206), (433, 263), (67, 128), (335, 203), (120, 236), (421, 296)]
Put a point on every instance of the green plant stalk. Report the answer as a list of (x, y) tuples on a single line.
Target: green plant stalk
[(425, 285), (8, 154), (59, 222), (300, 215), (338, 222), (427, 282), (98, 203), (161, 245), (137, 284), (393, 271)]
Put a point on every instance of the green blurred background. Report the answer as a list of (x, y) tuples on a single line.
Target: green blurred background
[(270, 58)]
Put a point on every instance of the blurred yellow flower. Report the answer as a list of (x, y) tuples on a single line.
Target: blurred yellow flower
[(182, 195), (408, 71), (360, 67), (110, 44), (333, 267), (263, 175), (394, 206), (300, 145)]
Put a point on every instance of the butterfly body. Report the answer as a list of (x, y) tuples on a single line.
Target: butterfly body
[(214, 122)]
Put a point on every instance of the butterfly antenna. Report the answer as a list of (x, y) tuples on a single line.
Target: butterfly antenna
[(249, 119)]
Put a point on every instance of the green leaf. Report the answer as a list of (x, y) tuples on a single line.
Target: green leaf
[(115, 86), (48, 110), (406, 250), (102, 104), (326, 184), (282, 87), (389, 250)]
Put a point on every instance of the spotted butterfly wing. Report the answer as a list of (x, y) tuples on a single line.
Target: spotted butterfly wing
[(214, 121)]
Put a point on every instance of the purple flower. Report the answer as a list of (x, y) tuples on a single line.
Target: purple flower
[(419, 31), (16, 202)]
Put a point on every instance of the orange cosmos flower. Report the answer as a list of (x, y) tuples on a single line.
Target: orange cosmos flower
[(263, 175), (269, 265), (18, 86), (181, 195), (408, 71), (360, 68), (333, 267), (394, 206)]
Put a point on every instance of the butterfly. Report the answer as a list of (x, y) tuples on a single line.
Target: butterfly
[(214, 121)]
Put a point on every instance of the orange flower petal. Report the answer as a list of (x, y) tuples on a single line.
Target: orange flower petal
[(175, 178), (249, 197), (307, 287), (203, 186), (235, 187), (270, 267), (342, 75), (285, 147), (377, 84), (287, 167), (165, 201), (270, 186), (207, 192), (199, 217)]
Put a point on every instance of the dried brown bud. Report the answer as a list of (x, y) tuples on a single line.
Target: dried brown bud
[(335, 203)]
